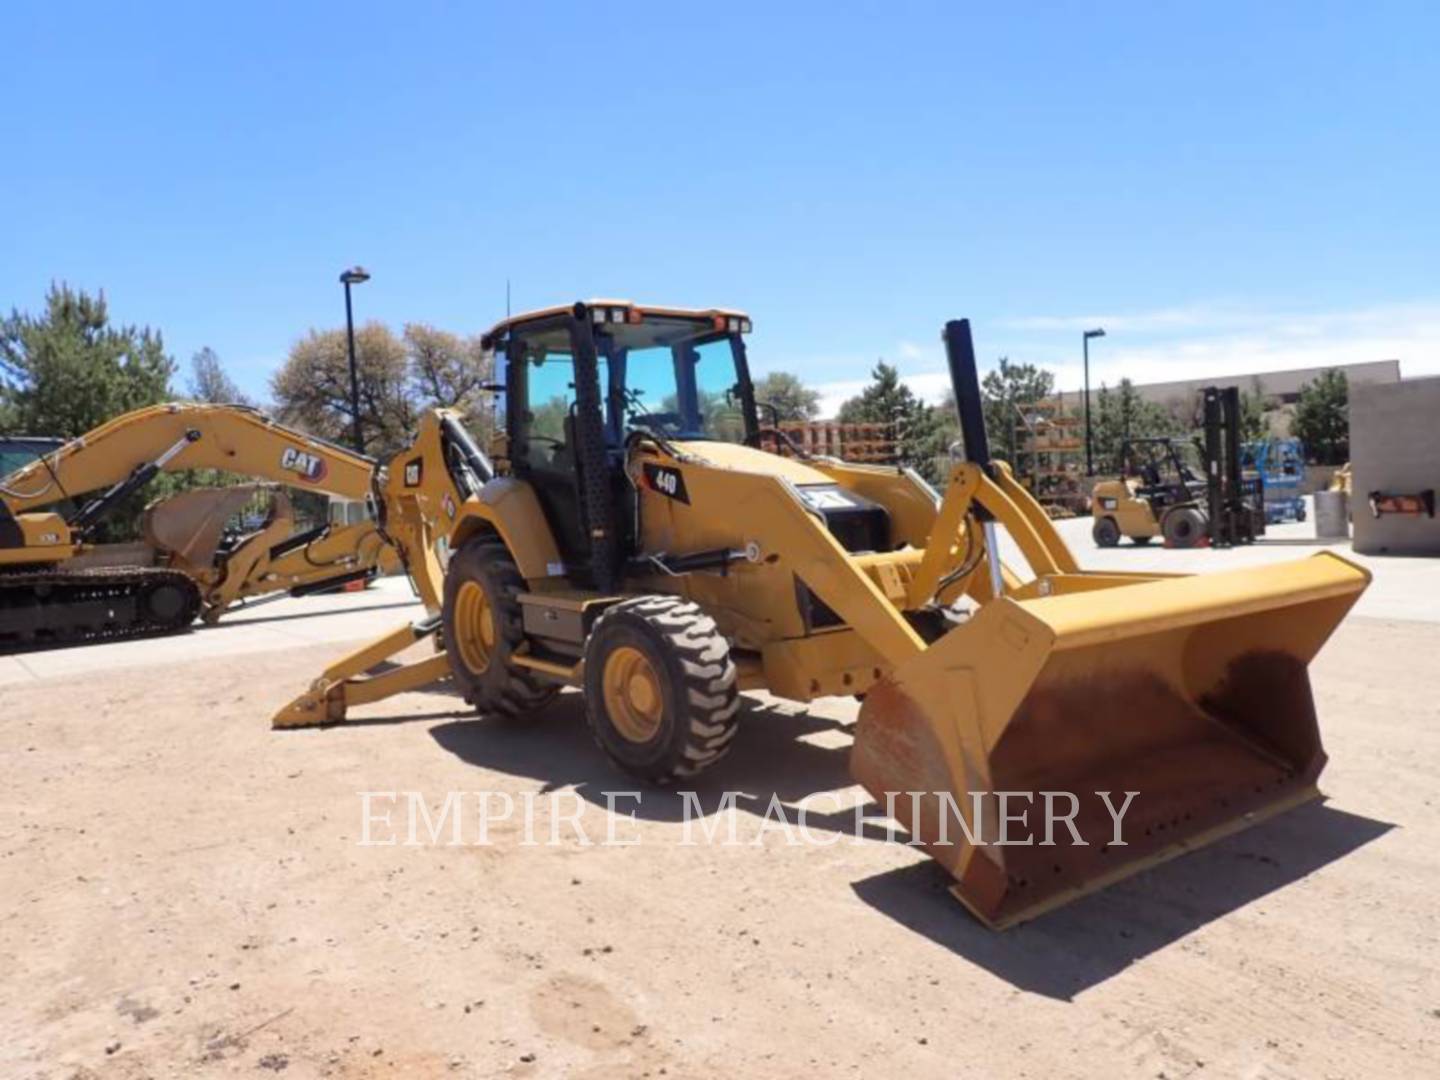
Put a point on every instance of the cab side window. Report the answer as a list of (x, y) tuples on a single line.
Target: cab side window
[(550, 384)]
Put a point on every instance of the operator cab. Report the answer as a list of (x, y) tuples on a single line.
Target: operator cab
[(1166, 475), (581, 382)]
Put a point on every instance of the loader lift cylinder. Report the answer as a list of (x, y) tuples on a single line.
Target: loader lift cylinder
[(473, 457), (960, 354), (965, 378)]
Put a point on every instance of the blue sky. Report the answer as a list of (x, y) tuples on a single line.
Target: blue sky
[(1223, 187)]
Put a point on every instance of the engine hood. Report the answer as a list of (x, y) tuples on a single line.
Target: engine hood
[(748, 459)]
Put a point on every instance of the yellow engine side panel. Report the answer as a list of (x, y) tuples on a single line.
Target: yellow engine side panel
[(45, 539), (1117, 499)]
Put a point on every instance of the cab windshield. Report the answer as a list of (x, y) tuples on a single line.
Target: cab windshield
[(675, 377)]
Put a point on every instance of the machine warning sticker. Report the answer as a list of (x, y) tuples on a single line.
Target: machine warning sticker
[(414, 470), (1107, 504), (826, 498), (309, 466), (666, 481)]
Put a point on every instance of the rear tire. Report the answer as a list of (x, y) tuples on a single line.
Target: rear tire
[(1106, 532), (482, 625), (1184, 527), (660, 688)]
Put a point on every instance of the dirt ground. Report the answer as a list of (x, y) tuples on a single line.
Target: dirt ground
[(184, 894)]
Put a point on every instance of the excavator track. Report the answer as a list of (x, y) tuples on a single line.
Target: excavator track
[(70, 607)]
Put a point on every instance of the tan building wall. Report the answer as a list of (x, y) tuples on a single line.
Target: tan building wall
[(1395, 447), (1282, 387)]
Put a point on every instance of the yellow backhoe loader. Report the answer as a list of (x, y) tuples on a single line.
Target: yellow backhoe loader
[(631, 539), (55, 588)]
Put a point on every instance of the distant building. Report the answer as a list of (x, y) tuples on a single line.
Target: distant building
[(1280, 387), (1394, 447)]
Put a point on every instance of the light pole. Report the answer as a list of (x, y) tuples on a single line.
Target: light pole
[(1085, 345), (356, 275)]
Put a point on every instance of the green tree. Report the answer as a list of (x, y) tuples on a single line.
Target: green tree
[(312, 388), (1253, 427), (793, 400), (918, 428), (399, 377), (1123, 414), (209, 381), (1322, 418), (1005, 391), (449, 371), (69, 370)]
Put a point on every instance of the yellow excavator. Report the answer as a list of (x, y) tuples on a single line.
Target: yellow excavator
[(633, 540), (56, 588)]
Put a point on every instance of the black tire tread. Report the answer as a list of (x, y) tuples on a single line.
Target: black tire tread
[(519, 693), (1106, 532), (709, 682)]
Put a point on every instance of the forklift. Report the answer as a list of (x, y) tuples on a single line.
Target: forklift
[(1159, 494)]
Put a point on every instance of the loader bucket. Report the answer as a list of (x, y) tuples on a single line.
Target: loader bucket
[(1191, 692)]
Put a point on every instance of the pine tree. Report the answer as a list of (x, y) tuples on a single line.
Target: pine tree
[(918, 428), (209, 382), (1322, 418), (68, 370), (1006, 391)]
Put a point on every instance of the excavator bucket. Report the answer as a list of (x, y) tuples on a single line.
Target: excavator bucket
[(1190, 692), (190, 525)]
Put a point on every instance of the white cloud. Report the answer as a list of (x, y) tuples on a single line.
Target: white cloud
[(1143, 322), (1228, 343), (1188, 342), (928, 385)]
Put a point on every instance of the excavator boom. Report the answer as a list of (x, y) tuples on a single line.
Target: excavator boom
[(43, 601)]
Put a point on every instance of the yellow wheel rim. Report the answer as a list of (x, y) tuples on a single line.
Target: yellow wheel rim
[(474, 625), (634, 700)]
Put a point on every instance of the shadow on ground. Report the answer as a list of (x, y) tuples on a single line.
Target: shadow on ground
[(1057, 955), (769, 758), (1078, 946), (235, 620)]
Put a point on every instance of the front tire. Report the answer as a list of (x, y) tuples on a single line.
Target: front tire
[(483, 628), (1184, 527), (1106, 532), (660, 688)]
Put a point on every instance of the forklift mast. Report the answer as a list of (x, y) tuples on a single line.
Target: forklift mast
[(1236, 506)]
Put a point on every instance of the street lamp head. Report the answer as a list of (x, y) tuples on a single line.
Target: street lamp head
[(355, 276), (1097, 332)]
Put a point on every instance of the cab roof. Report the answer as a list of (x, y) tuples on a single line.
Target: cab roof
[(627, 305)]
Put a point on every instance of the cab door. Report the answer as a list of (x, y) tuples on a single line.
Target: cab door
[(554, 417)]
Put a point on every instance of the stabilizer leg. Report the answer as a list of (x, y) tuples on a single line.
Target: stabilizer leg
[(348, 681)]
